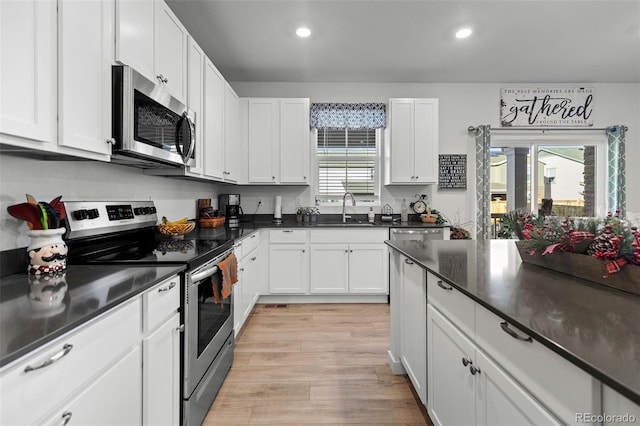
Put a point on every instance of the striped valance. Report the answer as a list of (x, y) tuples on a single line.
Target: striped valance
[(348, 116)]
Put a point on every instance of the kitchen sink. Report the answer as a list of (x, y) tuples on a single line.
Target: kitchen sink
[(343, 224)]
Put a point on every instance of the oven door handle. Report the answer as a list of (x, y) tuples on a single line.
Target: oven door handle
[(203, 274)]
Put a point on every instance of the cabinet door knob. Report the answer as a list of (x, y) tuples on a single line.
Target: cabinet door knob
[(241, 269), (466, 361), (408, 262), (56, 357), (303, 250), (346, 251), (180, 329), (253, 258), (474, 370), (505, 327), (273, 177), (111, 141), (444, 287)]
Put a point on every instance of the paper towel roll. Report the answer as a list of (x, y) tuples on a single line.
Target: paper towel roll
[(277, 213)]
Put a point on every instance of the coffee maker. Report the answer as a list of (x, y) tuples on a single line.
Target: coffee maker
[(229, 205)]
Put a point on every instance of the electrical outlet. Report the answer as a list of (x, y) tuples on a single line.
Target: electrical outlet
[(298, 202)]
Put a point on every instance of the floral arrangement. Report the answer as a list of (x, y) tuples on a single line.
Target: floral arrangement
[(611, 238)]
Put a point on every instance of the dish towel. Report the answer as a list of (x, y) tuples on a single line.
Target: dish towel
[(229, 269)]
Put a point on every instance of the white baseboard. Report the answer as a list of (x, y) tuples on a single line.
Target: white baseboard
[(395, 364), (322, 298)]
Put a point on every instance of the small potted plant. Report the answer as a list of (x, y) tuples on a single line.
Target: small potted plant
[(314, 212), (299, 212)]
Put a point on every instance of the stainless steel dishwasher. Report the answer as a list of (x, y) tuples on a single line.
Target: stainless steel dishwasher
[(419, 234)]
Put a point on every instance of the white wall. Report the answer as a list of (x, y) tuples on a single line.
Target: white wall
[(461, 106), (88, 180)]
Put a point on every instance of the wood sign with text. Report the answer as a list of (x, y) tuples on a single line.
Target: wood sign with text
[(540, 106)]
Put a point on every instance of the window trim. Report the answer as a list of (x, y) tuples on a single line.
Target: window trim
[(328, 201)]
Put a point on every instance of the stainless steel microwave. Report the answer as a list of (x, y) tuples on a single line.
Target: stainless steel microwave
[(150, 127)]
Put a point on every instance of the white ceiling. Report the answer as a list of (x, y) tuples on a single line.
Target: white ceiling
[(559, 41)]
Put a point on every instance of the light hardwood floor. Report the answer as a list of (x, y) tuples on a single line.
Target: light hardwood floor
[(315, 364)]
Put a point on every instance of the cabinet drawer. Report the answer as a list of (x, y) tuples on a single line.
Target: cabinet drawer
[(457, 307), (555, 382), (115, 398), (93, 347), (249, 243), (160, 302), (288, 236), (343, 235)]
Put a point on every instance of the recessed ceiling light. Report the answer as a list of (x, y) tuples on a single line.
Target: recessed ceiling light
[(303, 32), (463, 33)]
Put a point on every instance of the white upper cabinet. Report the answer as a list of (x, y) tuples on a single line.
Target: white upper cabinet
[(85, 37), (413, 141), (294, 141), (231, 135), (264, 136), (151, 39), (278, 141), (135, 29), (28, 70), (213, 142), (195, 99), (171, 51)]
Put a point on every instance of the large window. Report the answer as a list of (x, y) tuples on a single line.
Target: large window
[(347, 162), (566, 175)]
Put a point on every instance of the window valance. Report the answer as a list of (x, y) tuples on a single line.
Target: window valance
[(348, 116)]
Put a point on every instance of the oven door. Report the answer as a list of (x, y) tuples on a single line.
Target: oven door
[(148, 123), (208, 321)]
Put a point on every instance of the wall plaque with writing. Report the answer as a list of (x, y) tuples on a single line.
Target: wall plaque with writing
[(546, 106), (453, 171)]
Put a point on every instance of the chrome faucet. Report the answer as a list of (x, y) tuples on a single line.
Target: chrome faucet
[(344, 203)]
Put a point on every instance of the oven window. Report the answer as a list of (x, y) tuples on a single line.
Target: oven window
[(212, 312), (155, 124)]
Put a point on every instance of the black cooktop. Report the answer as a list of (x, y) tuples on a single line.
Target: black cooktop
[(147, 247)]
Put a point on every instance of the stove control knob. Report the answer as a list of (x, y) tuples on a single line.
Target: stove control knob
[(80, 214), (93, 213), (137, 211), (147, 210), (153, 210)]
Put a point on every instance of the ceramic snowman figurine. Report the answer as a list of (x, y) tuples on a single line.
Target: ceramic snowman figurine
[(47, 251)]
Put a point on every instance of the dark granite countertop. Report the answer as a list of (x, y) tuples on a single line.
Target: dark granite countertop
[(79, 294), (595, 327)]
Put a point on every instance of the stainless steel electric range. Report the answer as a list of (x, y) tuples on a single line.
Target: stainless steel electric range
[(124, 233)]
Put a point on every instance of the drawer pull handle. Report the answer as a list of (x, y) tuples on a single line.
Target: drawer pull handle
[(287, 230), (466, 361), (444, 287), (65, 350), (474, 370), (408, 262), (167, 288), (66, 417), (505, 327)]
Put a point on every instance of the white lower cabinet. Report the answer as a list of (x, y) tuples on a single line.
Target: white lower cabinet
[(348, 261), (246, 290), (413, 340), (161, 354), (112, 399), (161, 374), (466, 387), (289, 269), (49, 379)]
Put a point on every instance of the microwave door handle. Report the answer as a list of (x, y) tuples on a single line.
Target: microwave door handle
[(192, 137), (185, 120)]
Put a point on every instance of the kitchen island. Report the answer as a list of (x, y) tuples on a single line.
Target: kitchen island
[(591, 326)]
